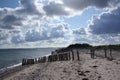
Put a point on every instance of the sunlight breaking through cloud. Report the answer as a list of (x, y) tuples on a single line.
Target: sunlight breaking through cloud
[(43, 21)]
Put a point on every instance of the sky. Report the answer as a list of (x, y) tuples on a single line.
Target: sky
[(58, 23)]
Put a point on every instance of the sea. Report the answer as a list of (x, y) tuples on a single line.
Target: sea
[(13, 57)]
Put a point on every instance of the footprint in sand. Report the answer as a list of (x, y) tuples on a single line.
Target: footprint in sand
[(81, 73), (85, 79)]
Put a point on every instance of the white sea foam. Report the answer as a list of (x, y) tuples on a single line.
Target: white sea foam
[(10, 67), (15, 65)]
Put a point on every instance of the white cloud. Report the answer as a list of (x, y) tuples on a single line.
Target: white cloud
[(39, 21), (48, 32), (106, 23), (14, 18), (82, 4), (55, 9)]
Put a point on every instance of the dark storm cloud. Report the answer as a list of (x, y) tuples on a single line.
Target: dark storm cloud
[(55, 9), (14, 31), (28, 7), (28, 10), (9, 21), (82, 4), (107, 23), (13, 18)]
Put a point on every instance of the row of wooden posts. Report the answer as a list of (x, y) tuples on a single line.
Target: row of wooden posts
[(92, 52), (51, 58), (60, 57), (33, 61)]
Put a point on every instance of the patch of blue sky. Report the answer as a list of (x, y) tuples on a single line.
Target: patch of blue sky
[(9, 3), (81, 20)]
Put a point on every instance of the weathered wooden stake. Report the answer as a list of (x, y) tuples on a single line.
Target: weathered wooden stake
[(105, 50), (72, 54), (78, 55), (110, 52), (92, 51), (23, 61)]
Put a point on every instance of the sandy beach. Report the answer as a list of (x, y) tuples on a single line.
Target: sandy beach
[(85, 69), (59, 39)]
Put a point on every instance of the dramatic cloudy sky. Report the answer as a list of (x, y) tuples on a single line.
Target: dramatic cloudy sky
[(58, 23)]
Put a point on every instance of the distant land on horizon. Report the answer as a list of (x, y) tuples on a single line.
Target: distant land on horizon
[(76, 45)]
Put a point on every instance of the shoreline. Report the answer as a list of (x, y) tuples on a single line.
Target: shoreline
[(3, 70), (9, 71)]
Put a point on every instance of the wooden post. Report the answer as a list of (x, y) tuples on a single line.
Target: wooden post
[(23, 61), (45, 59), (49, 58), (78, 55), (72, 54), (42, 59), (35, 60), (53, 58), (27, 61), (91, 53), (57, 57), (64, 56), (69, 56), (61, 57), (110, 52), (32, 61), (39, 59), (105, 50)]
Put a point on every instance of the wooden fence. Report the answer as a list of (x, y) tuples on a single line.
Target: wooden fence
[(67, 56)]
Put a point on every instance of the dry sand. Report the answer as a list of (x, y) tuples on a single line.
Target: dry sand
[(85, 69)]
